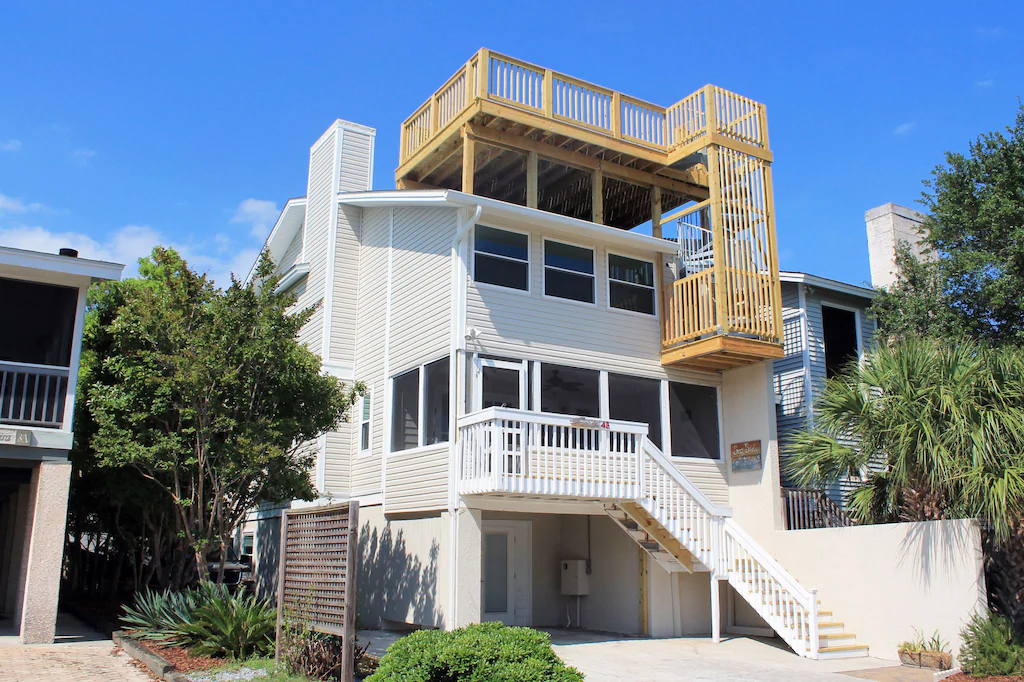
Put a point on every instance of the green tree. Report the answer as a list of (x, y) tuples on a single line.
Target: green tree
[(936, 430), (207, 394), (971, 283)]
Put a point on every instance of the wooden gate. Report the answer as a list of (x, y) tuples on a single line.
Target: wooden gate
[(317, 572)]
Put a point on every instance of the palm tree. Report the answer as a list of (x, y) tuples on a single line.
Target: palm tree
[(935, 430)]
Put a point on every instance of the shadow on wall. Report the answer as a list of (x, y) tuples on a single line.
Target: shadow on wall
[(394, 584), (930, 547), (268, 553)]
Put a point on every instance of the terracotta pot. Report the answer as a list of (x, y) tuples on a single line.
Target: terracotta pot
[(936, 660)]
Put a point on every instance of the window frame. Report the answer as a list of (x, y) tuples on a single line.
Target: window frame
[(544, 272), (666, 421), (608, 284), (528, 291), (366, 399), (421, 408)]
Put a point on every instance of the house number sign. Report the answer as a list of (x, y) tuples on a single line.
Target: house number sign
[(589, 423), (746, 456), (15, 437)]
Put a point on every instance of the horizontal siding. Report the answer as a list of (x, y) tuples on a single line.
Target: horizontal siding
[(356, 162), (417, 481), (346, 276), (338, 459), (319, 200), (292, 253), (709, 476), (534, 327), (421, 289), (371, 307), (791, 413)]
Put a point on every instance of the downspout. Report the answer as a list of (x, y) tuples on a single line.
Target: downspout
[(458, 343)]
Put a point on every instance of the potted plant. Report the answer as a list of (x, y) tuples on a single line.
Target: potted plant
[(926, 653)]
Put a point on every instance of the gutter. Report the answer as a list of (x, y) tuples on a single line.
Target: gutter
[(458, 343)]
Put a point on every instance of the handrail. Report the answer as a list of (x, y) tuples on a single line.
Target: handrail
[(33, 394), (655, 453), (552, 418), (781, 574), (53, 370)]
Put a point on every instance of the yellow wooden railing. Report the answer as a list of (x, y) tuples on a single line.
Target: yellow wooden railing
[(559, 97)]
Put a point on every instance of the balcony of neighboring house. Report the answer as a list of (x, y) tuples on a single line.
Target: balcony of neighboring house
[(35, 356), (697, 172)]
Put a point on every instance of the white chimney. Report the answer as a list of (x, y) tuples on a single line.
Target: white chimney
[(887, 226)]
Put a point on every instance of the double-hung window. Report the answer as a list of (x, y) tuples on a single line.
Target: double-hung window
[(365, 412), (501, 258), (568, 271), (630, 284), (420, 406)]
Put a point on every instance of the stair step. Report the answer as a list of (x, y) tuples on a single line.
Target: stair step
[(829, 628), (836, 639), (846, 651)]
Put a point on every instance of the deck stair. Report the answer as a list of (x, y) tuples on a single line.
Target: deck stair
[(515, 452)]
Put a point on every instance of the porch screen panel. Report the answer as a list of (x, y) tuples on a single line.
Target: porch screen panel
[(405, 415), (570, 390), (693, 418), (500, 387), (437, 393), (44, 316), (636, 399)]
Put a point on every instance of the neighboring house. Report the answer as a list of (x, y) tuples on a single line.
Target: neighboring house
[(42, 303), (826, 326), (566, 422)]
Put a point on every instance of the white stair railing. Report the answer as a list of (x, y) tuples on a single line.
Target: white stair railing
[(503, 450)]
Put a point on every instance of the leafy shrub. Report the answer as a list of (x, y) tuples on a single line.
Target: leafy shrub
[(209, 620), (489, 652), (989, 647), (316, 655), (236, 626), (919, 643)]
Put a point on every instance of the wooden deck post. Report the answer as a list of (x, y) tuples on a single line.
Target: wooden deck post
[(531, 179), (644, 617), (656, 212), (773, 255), (718, 240), (468, 161), (597, 196)]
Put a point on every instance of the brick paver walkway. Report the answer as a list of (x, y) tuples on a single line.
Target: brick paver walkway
[(92, 662)]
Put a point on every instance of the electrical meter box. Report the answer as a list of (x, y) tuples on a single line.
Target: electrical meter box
[(575, 580)]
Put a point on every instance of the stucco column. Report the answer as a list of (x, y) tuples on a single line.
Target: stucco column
[(748, 409), (469, 576), (50, 483)]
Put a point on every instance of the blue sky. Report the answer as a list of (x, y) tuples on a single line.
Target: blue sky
[(122, 126)]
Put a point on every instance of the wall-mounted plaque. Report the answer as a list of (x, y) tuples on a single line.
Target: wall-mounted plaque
[(746, 456)]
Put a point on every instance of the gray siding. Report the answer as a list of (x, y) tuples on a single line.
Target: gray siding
[(292, 253), (417, 481), (337, 466), (371, 308)]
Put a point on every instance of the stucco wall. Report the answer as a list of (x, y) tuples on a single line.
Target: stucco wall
[(884, 580)]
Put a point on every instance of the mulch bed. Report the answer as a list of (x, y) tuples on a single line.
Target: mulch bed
[(964, 677), (180, 658)]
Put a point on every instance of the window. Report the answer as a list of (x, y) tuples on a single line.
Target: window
[(839, 327), (501, 258), (635, 399), (248, 542), (405, 411), (409, 394), (693, 420), (436, 393), (366, 409), (568, 390), (568, 272), (630, 284)]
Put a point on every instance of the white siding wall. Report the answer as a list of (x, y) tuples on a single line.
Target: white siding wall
[(356, 162), (337, 469), (531, 326), (292, 253), (319, 203), (371, 310), (346, 275), (420, 332)]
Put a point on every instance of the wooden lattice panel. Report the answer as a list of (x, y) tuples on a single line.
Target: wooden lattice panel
[(318, 568)]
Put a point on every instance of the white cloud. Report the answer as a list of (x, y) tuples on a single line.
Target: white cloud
[(905, 128), (259, 214), (14, 205), (127, 245), (82, 156), (10, 145), (984, 83)]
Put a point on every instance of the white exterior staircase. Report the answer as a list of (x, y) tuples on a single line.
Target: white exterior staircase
[(662, 510)]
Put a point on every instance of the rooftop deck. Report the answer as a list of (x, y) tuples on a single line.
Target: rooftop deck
[(514, 131)]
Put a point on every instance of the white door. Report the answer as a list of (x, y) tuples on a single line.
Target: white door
[(499, 383), (506, 592)]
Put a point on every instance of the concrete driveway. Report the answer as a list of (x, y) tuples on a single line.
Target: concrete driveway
[(608, 658)]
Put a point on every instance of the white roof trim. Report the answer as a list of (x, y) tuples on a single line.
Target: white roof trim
[(293, 275), (501, 209), (49, 262), (284, 228), (825, 283)]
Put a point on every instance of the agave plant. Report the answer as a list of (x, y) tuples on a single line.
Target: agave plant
[(236, 626), (158, 615)]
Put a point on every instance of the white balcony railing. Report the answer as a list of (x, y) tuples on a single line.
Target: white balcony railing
[(503, 451), (32, 395)]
